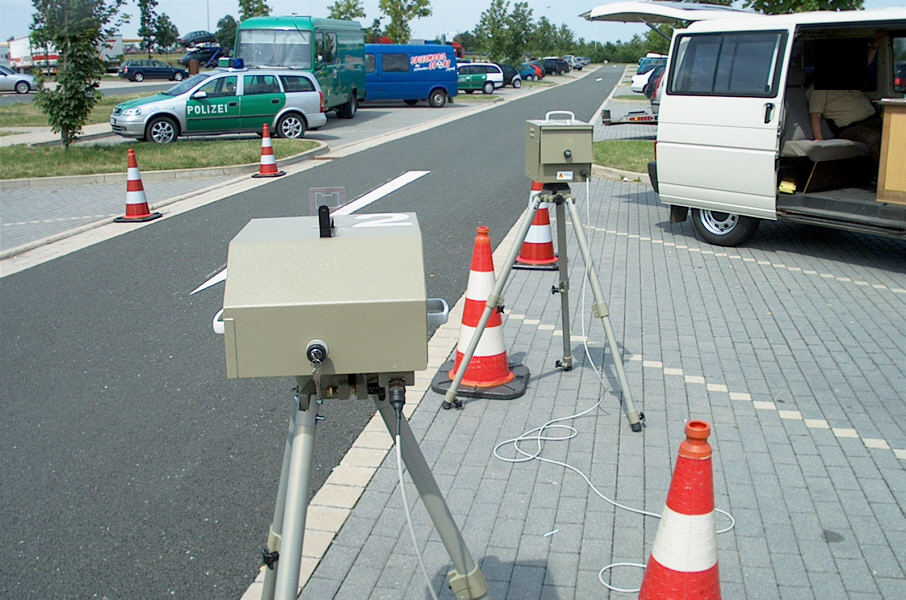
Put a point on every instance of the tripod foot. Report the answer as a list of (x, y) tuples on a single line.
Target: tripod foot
[(565, 364), (636, 427), (457, 404)]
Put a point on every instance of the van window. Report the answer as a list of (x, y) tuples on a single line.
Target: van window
[(899, 64), (370, 63), (728, 64), (326, 47), (273, 47), (395, 63)]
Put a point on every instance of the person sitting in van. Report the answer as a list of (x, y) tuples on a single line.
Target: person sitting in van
[(849, 113)]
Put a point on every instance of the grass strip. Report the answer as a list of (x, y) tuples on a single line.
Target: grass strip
[(49, 161), (626, 155), (27, 114)]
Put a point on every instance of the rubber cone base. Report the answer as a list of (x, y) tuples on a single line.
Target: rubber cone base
[(277, 174), (508, 391), (528, 267), (138, 219)]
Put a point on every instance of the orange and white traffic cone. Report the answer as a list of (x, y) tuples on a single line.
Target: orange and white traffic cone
[(488, 374), (683, 562), (137, 209), (268, 166), (538, 247)]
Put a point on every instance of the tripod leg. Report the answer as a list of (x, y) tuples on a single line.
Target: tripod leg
[(601, 310), (567, 363), (466, 580), (296, 502), (275, 533), (494, 300)]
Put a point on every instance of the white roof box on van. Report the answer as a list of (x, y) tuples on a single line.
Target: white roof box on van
[(661, 12)]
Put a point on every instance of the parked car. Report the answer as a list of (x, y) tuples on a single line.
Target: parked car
[(554, 65), (226, 101), (640, 80), (479, 76), (203, 54), (139, 70), (530, 72), (10, 81), (573, 62), (653, 80), (511, 76), (584, 60), (649, 62)]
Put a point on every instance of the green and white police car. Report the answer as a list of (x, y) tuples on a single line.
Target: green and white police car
[(226, 101)]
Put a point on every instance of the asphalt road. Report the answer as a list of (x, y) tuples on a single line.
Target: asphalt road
[(131, 467), (121, 89)]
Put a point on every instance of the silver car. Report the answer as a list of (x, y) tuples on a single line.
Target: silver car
[(10, 81), (226, 101)]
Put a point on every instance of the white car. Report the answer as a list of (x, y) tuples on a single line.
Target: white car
[(10, 81), (639, 81)]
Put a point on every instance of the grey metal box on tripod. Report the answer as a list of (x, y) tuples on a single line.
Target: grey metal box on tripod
[(558, 150)]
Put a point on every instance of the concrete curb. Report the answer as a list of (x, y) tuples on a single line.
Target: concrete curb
[(618, 174), (152, 176)]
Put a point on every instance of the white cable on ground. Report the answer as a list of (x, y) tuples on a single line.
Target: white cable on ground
[(538, 436), (399, 471)]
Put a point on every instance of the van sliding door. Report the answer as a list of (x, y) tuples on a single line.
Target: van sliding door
[(717, 132)]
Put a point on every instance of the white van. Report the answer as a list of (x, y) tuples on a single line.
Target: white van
[(734, 139)]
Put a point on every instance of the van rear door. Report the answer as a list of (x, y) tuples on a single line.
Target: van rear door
[(719, 121)]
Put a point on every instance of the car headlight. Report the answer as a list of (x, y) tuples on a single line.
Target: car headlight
[(132, 112)]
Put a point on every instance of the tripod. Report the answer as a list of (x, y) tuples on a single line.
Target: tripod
[(560, 195), (284, 541)]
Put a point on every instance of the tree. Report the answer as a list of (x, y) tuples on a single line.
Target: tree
[(226, 32), (400, 13), (146, 24), (253, 8), (519, 23), (165, 32), (782, 7), (374, 33), (76, 28), (491, 31), (346, 9)]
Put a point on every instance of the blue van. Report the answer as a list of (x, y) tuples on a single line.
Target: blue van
[(410, 72)]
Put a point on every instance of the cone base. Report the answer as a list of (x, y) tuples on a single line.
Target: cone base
[(508, 391), (138, 219), (527, 265), (277, 174)]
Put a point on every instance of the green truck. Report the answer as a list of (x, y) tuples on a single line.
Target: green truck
[(332, 49)]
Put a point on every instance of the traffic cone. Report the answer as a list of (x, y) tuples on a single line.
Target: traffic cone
[(268, 166), (137, 209), (683, 561), (488, 374), (538, 248)]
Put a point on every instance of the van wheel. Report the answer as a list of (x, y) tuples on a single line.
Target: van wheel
[(348, 110), (723, 229), (488, 87), (411, 102), (437, 99)]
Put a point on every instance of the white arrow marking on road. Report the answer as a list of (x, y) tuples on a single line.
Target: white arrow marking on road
[(372, 196)]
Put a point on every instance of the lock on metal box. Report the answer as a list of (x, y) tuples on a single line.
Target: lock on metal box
[(360, 291), (558, 150)]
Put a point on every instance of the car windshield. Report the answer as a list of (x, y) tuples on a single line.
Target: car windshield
[(188, 84), (274, 48)]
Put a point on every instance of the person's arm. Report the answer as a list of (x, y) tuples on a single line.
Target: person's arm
[(815, 121)]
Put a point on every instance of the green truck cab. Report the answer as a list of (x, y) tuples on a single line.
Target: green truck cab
[(332, 49)]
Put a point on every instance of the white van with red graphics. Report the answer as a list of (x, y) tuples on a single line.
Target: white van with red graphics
[(738, 139)]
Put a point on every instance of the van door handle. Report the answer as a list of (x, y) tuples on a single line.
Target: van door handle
[(768, 112)]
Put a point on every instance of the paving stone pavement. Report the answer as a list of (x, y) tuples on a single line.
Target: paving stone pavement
[(792, 347)]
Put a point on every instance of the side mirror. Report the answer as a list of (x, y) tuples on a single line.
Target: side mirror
[(200, 95)]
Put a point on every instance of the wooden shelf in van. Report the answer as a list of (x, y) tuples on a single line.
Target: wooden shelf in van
[(892, 173)]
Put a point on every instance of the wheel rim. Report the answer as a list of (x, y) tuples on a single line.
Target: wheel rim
[(162, 132), (718, 223), (353, 106), (291, 127), (139, 76), (21, 87), (178, 77)]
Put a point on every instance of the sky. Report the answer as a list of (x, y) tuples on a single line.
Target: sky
[(448, 16)]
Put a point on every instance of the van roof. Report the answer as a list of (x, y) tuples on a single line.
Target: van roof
[(880, 16)]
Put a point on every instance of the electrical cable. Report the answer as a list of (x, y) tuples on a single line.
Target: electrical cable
[(572, 432), (399, 472)]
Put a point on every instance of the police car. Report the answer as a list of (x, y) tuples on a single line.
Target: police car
[(226, 101)]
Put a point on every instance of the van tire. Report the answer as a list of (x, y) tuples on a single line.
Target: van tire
[(721, 228), (488, 87), (437, 99), (348, 110)]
